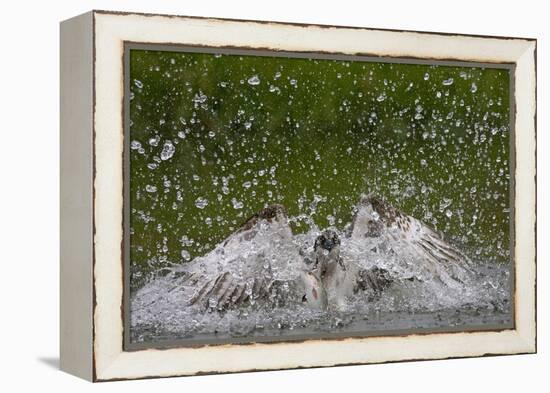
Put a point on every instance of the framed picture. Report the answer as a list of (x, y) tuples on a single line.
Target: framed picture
[(244, 195)]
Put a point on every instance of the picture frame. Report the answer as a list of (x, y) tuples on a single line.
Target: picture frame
[(95, 176)]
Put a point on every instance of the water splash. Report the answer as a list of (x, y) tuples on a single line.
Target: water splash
[(418, 297)]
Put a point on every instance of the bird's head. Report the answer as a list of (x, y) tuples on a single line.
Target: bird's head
[(327, 251), (327, 241)]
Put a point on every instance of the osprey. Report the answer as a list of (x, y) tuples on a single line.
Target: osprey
[(262, 265)]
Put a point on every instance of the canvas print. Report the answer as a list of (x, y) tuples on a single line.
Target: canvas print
[(280, 196)]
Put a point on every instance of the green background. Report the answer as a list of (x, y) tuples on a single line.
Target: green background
[(312, 135)]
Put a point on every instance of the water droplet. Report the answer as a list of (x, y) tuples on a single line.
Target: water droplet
[(134, 145), (449, 213), (293, 82), (185, 255), (167, 151), (254, 80), (154, 141), (237, 204), (448, 82), (445, 203), (150, 188), (426, 76), (212, 303), (200, 98), (138, 83), (247, 184), (473, 89), (201, 202), (381, 97)]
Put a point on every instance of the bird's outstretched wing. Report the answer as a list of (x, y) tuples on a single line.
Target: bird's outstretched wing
[(227, 291), (386, 228), (246, 268)]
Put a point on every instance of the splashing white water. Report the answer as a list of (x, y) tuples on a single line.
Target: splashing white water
[(161, 310)]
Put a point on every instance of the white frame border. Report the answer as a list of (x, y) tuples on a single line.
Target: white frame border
[(111, 30)]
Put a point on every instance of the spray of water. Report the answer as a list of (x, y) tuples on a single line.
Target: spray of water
[(265, 266)]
